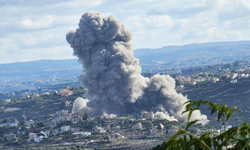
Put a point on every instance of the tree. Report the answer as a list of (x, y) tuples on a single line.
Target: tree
[(40, 124), (235, 138)]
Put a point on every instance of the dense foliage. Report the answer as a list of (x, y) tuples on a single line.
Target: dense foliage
[(235, 138)]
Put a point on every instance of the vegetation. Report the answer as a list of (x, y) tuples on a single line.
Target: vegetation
[(235, 138)]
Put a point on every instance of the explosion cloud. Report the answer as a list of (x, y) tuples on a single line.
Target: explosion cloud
[(112, 75), (79, 104)]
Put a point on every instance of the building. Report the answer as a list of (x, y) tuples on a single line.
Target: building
[(234, 81), (3, 125), (117, 128), (51, 123), (65, 128), (161, 127), (38, 139), (67, 103), (137, 126), (85, 134), (45, 134), (62, 115), (7, 101), (225, 128), (32, 135), (116, 137), (144, 114), (35, 96), (99, 130), (29, 124), (153, 131), (9, 136), (108, 116), (66, 92), (21, 132), (75, 129), (216, 79), (14, 123), (151, 114), (75, 118), (54, 132)]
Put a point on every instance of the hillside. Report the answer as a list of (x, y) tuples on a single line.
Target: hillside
[(40, 108), (233, 95), (193, 55)]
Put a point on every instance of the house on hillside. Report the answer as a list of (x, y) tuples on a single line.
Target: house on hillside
[(99, 130), (38, 139), (32, 135), (137, 126), (75, 118), (29, 124), (66, 92), (65, 128), (14, 123), (9, 136), (62, 115), (6, 101)]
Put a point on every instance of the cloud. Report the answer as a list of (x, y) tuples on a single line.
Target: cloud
[(37, 24), (159, 21), (44, 22)]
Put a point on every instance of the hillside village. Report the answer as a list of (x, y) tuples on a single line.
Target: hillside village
[(61, 126), (54, 123)]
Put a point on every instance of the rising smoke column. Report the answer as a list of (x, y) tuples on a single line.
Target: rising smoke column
[(112, 75)]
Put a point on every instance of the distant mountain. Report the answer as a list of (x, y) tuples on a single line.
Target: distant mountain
[(38, 67), (193, 55), (166, 58)]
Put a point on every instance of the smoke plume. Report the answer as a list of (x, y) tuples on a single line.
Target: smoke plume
[(112, 75), (79, 104)]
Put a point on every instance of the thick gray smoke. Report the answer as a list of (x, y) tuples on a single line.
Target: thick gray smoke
[(113, 75)]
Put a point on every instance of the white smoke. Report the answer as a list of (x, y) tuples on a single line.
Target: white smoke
[(113, 75), (79, 105), (162, 116)]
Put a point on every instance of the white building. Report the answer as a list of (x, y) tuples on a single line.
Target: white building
[(7, 101), (161, 127), (65, 128), (32, 135), (85, 134), (29, 124), (98, 130), (108, 116), (216, 79), (234, 75), (38, 139), (234, 81), (45, 133), (14, 123)]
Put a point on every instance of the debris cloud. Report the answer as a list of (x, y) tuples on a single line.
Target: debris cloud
[(112, 75)]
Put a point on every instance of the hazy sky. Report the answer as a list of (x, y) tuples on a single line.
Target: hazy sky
[(36, 29)]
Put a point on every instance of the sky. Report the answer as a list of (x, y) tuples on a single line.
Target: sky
[(35, 29)]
